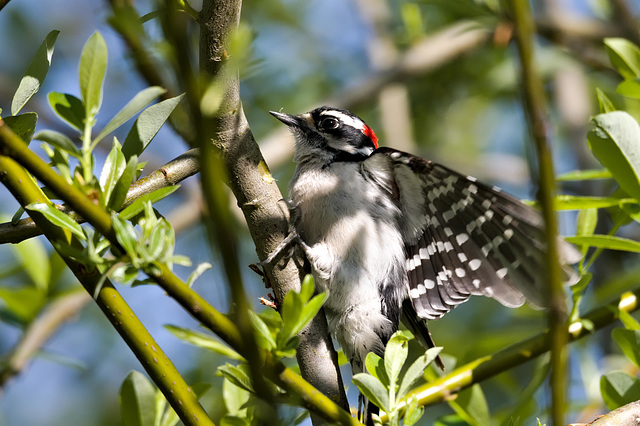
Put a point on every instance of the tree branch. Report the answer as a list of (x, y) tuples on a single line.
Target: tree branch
[(172, 173), (258, 195), (40, 330)]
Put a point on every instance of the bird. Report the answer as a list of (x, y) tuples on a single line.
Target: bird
[(391, 236)]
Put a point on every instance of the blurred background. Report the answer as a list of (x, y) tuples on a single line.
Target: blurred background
[(433, 77)]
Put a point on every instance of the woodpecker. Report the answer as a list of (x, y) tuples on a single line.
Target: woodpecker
[(391, 235)]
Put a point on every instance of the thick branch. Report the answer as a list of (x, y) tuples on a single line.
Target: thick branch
[(258, 195)]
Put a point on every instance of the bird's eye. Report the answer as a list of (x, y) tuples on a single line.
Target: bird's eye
[(329, 123)]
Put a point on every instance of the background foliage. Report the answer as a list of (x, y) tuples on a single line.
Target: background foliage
[(436, 78)]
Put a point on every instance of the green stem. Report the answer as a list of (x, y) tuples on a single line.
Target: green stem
[(535, 108)]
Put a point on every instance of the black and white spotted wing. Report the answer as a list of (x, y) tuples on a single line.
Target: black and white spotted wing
[(470, 239)]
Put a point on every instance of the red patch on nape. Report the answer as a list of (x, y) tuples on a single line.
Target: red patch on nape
[(369, 132)]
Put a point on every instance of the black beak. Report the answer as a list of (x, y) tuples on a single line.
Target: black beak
[(290, 120)]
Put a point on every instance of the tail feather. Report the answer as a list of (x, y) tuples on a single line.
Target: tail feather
[(419, 328)]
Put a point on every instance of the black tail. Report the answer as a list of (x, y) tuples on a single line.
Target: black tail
[(418, 327)]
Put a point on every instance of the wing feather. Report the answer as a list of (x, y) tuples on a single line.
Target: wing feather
[(467, 238)]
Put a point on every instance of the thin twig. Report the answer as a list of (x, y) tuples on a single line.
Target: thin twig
[(172, 173), (535, 108), (40, 330)]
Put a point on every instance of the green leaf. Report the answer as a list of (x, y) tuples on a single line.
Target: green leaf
[(395, 355), (134, 106), (93, 66), (33, 257), (604, 102), (263, 335), (307, 288), (125, 234), (138, 205), (308, 312), (375, 367), (629, 322), (69, 108), (615, 141), (23, 125), (58, 140), (629, 342), (200, 269), (147, 126), (204, 341), (137, 401), (624, 56), (618, 389), (121, 187), (234, 397), (629, 88), (58, 218), (113, 168), (373, 390), (573, 202), (21, 304), (606, 242), (35, 74), (291, 311), (413, 413), (585, 175), (237, 376), (587, 221), (471, 406), (416, 371)]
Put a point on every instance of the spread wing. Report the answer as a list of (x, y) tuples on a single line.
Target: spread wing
[(466, 238)]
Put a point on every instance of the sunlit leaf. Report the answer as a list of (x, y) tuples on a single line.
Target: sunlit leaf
[(147, 126), (607, 242), (35, 260), (237, 376), (93, 66), (138, 205), (372, 389), (22, 125), (629, 342), (134, 106), (416, 370), (59, 140), (395, 355), (113, 168), (624, 56), (204, 341), (137, 400), (35, 74), (615, 141), (263, 334), (58, 218), (69, 108), (629, 88), (585, 175), (375, 367), (618, 388), (123, 184)]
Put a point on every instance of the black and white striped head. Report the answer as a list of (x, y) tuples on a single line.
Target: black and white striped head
[(330, 134)]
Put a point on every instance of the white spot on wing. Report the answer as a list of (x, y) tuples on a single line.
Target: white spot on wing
[(501, 273), (461, 238), (429, 284), (475, 264), (460, 272)]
